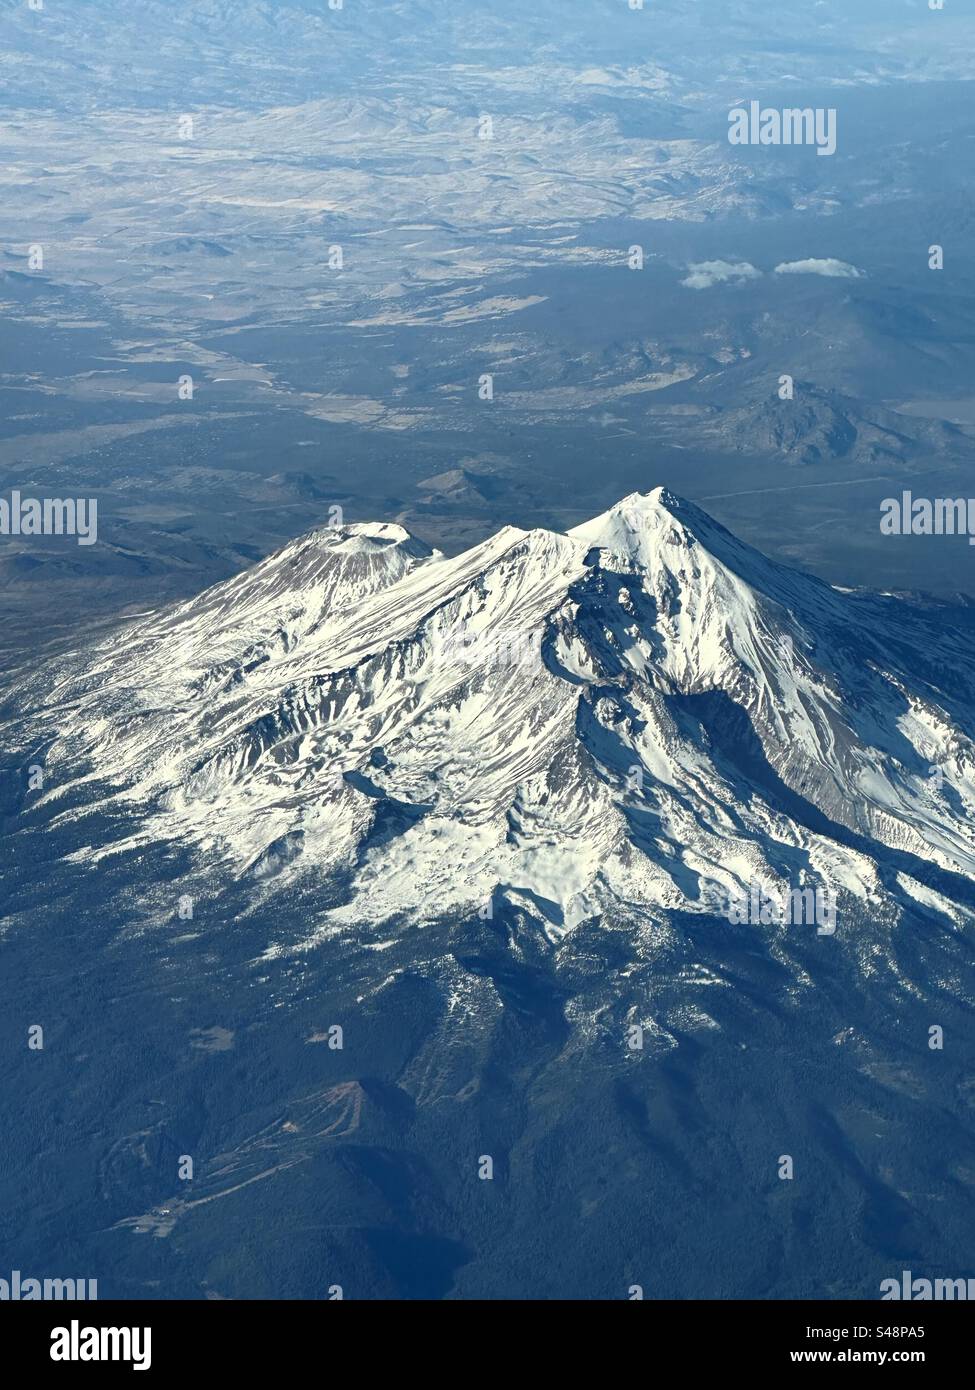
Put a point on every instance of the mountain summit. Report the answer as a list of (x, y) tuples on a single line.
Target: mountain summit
[(643, 716)]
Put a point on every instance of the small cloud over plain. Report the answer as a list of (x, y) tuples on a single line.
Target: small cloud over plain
[(704, 274), (828, 266)]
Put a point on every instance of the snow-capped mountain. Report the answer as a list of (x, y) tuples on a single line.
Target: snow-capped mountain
[(638, 718), (487, 817)]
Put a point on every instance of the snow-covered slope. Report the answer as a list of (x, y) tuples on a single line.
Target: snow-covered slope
[(635, 719)]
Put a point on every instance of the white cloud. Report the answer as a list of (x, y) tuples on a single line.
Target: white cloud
[(704, 274), (836, 270)]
